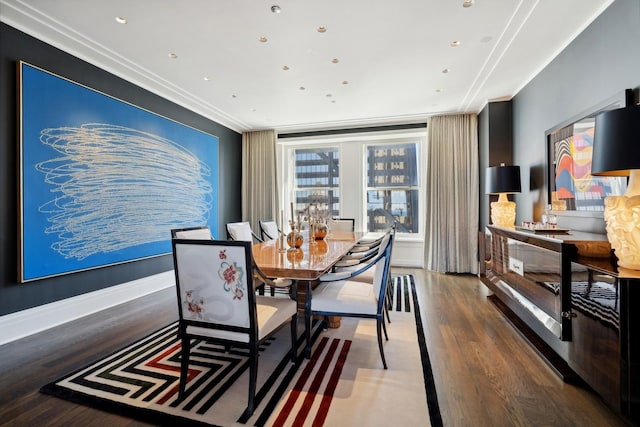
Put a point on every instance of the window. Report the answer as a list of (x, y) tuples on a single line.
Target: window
[(317, 179), (392, 187), (373, 177)]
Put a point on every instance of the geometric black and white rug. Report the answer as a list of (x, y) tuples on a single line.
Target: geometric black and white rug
[(342, 384)]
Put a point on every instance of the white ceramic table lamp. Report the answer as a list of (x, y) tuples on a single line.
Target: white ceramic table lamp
[(502, 180), (616, 152)]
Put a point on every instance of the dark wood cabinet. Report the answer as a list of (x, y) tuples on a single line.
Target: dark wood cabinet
[(572, 296)]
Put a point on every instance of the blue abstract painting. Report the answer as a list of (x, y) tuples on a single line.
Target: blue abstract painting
[(102, 181)]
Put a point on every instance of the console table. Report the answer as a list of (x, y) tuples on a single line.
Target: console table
[(568, 291)]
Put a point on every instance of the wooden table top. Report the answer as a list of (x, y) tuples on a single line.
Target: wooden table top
[(310, 262)]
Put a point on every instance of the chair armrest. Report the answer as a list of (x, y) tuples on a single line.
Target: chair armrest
[(352, 272), (363, 247), (361, 255), (346, 262), (371, 238), (332, 277)]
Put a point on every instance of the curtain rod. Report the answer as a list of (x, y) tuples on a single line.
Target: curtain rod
[(352, 130)]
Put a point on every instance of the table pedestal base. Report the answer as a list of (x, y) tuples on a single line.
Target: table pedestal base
[(333, 322)]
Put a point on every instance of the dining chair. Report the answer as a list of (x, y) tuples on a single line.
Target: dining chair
[(269, 230), (355, 263), (198, 232), (341, 224), (216, 303), (241, 231), (338, 295)]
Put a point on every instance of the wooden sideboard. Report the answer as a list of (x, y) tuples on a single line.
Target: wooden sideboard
[(584, 311)]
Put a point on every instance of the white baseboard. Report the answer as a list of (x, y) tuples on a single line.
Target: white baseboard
[(37, 319), (408, 254)]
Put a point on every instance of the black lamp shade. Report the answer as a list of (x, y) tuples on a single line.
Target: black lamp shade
[(502, 179), (616, 142)]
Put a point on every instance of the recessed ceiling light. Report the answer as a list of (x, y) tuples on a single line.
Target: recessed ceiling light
[(233, 96), (121, 20), (455, 43), (173, 56), (345, 82), (335, 60), (262, 39), (285, 68), (206, 79), (302, 88), (467, 3), (276, 9), (445, 71), (322, 29)]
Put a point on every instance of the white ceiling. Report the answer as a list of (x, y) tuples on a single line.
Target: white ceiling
[(391, 53)]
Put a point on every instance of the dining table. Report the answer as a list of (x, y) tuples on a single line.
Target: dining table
[(306, 263)]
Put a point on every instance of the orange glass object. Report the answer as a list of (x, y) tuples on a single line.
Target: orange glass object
[(320, 231), (295, 255), (294, 239)]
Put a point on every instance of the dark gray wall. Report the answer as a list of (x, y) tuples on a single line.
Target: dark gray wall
[(602, 61), (15, 46), (495, 143)]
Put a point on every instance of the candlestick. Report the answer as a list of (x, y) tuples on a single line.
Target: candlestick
[(281, 219), (292, 217)]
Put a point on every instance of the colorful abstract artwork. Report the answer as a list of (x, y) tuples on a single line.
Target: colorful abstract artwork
[(573, 180), (103, 181)]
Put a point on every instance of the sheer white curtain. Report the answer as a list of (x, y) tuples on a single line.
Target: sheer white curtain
[(452, 194), (259, 177)]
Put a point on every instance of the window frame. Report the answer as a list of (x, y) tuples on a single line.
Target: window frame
[(352, 151), (418, 186), (294, 188)]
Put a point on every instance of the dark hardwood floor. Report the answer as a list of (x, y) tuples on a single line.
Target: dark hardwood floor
[(485, 373)]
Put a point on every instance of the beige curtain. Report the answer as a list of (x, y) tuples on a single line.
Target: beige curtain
[(451, 244), (259, 177)]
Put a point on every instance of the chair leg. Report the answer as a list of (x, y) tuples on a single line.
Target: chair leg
[(307, 321), (379, 322), (384, 328), (307, 333), (253, 377), (386, 311), (184, 365), (294, 337)]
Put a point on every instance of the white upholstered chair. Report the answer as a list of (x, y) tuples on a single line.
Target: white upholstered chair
[(201, 232), (341, 224), (216, 303), (339, 295), (241, 231), (269, 230), (353, 262)]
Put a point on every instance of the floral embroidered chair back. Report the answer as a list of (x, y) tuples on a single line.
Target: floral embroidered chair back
[(214, 284), (217, 303)]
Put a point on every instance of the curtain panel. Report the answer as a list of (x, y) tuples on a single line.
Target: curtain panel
[(452, 210), (259, 177)]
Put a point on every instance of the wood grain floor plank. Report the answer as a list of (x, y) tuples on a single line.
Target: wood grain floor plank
[(485, 372)]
